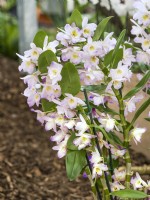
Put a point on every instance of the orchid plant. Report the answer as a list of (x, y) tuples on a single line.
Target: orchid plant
[(77, 83)]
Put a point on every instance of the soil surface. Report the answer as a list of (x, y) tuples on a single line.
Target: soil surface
[(29, 168)]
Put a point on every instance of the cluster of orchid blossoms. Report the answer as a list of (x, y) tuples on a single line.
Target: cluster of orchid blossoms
[(69, 119)]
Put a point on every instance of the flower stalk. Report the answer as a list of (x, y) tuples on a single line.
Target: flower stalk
[(118, 95), (99, 197), (107, 189)]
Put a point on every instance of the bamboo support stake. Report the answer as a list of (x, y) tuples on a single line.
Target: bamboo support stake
[(143, 170)]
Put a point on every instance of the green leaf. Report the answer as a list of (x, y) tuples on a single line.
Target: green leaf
[(39, 39), (119, 42), (95, 88), (105, 109), (108, 58), (115, 138), (114, 56), (128, 193), (76, 18), (139, 86), (101, 28), (104, 68), (129, 45), (147, 90), (48, 106), (120, 126), (45, 60), (70, 82), (140, 68), (70, 144), (116, 49), (139, 111), (117, 58), (148, 119), (115, 163), (75, 162)]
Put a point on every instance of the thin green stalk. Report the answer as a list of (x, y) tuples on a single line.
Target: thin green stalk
[(105, 188), (110, 7), (64, 10), (96, 185), (97, 143), (110, 162), (97, 14), (118, 95), (97, 9)]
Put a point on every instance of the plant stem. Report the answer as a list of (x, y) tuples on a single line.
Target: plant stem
[(96, 140), (118, 95), (64, 10), (96, 185), (97, 15), (110, 7), (111, 162)]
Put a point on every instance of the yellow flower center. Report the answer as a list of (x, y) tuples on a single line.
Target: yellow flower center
[(34, 53), (88, 77), (146, 42), (36, 96), (75, 55), (56, 91), (119, 71), (145, 17), (54, 72), (115, 188), (116, 82), (93, 58), (71, 101), (60, 119), (84, 139), (74, 33), (92, 47), (28, 63), (48, 88), (97, 169), (138, 182), (86, 31)]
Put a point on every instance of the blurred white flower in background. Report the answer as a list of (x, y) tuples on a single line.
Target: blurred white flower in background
[(94, 1), (120, 8), (137, 133), (70, 5), (83, 2)]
